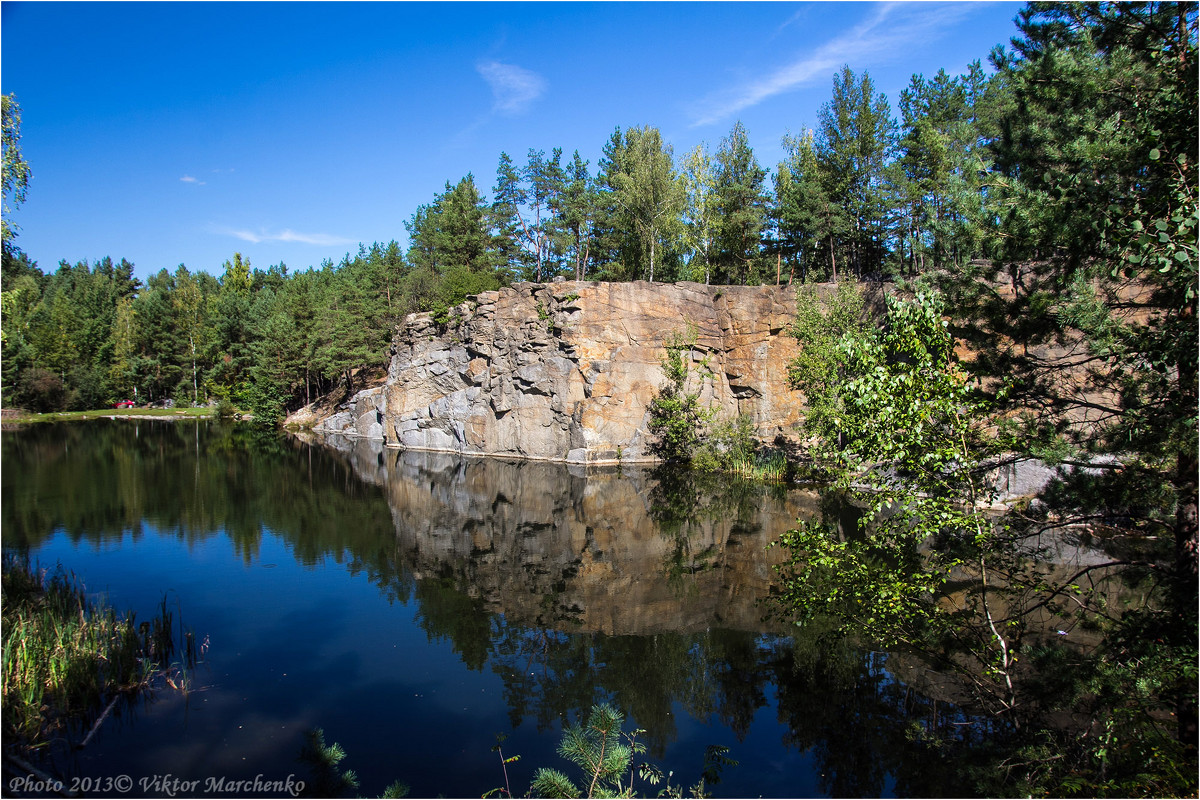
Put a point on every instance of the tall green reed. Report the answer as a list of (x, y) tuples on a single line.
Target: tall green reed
[(65, 658)]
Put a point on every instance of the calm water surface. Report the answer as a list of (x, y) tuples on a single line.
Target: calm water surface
[(415, 606)]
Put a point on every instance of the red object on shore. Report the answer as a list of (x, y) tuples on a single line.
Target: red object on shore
[(125, 404)]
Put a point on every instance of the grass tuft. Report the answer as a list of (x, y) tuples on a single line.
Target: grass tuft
[(65, 658)]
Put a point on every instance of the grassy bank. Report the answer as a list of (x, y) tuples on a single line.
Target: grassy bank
[(66, 660), (23, 417)]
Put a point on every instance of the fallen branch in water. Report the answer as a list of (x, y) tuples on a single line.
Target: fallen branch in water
[(98, 723)]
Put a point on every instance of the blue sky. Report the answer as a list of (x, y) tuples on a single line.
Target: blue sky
[(170, 133)]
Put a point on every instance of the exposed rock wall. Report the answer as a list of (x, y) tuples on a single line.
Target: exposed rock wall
[(567, 371)]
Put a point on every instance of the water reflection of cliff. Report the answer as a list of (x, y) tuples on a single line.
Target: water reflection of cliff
[(618, 552), (635, 588)]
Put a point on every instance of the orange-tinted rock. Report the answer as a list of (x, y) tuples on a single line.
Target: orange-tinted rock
[(567, 371)]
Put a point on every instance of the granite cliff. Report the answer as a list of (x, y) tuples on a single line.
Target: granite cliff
[(566, 371)]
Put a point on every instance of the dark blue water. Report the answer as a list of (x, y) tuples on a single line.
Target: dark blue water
[(416, 606)]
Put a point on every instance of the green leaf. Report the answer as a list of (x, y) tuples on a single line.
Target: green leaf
[(1154, 154)]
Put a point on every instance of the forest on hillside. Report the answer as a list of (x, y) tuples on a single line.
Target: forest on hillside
[(1041, 215), (1067, 156)]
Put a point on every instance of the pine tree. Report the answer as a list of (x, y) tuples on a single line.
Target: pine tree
[(855, 140), (741, 202), (576, 215), (453, 231), (811, 225), (939, 169), (545, 180), (505, 220)]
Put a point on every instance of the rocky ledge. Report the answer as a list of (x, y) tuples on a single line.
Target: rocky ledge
[(566, 371)]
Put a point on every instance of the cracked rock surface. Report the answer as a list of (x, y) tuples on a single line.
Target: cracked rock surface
[(566, 371)]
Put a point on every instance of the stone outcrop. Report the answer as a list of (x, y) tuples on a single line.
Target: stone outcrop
[(567, 370)]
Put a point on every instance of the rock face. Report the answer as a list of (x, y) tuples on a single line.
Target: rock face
[(567, 371)]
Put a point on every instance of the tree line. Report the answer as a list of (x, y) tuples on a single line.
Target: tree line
[(970, 170), (1082, 322), (87, 335)]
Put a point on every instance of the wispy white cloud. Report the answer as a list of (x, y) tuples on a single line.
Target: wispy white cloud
[(803, 12), (514, 88), (286, 235), (190, 179), (893, 29)]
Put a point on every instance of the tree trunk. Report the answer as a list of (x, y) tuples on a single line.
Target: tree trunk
[(1183, 35), (1186, 575), (652, 258), (1187, 522), (578, 253), (195, 387)]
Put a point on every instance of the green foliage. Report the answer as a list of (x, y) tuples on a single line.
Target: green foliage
[(576, 214), (821, 369), (730, 446), (810, 221), (855, 139), (323, 760), (452, 231), (604, 755), (64, 657), (327, 779), (1134, 687), (700, 212), (598, 750), (906, 449), (676, 417), (88, 335), (16, 172), (225, 408), (931, 567), (647, 196), (686, 432), (740, 201), (945, 128)]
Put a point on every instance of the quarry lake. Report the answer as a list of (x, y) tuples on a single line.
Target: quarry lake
[(417, 606)]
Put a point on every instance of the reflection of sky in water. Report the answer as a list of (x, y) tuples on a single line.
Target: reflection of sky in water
[(291, 647), (416, 677)]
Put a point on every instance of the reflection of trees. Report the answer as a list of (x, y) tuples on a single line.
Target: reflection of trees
[(444, 612), (104, 481), (679, 498), (866, 727), (831, 705), (101, 481), (549, 675), (684, 504), (546, 673)]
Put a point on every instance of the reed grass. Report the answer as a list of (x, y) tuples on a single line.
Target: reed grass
[(768, 466), (64, 658)]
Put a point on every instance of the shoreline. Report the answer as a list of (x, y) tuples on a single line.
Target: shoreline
[(14, 418)]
